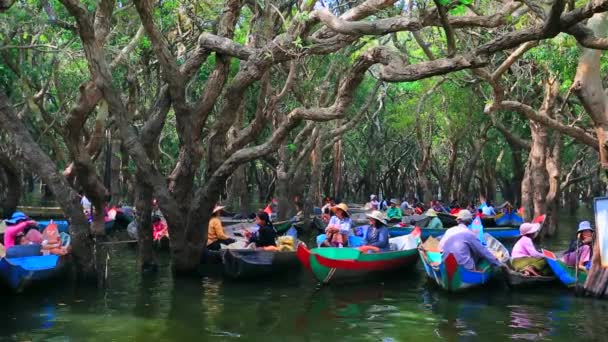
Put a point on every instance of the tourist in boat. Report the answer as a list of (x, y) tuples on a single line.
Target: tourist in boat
[(436, 205), (266, 234), (435, 222), (419, 209), (375, 205), (394, 213), (338, 229), (376, 238), (455, 209), (465, 246), (488, 209), (16, 225), (584, 250), (464, 219), (525, 258), (215, 233), (159, 228)]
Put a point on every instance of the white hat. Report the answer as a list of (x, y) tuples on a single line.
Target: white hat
[(377, 215), (218, 208), (464, 215), (529, 228)]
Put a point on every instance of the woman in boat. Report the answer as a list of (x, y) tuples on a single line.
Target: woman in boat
[(435, 222), (266, 235), (525, 258), (338, 229), (394, 212), (583, 252), (375, 205), (159, 228), (376, 238), (215, 234), (17, 224)]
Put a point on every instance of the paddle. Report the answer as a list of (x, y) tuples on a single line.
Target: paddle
[(576, 261)]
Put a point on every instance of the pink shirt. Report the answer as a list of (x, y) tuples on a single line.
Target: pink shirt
[(11, 232), (584, 255), (524, 247)]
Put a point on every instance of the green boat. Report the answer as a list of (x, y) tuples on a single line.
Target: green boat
[(332, 264)]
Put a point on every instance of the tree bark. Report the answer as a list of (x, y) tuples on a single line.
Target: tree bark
[(143, 203), (13, 184), (36, 159)]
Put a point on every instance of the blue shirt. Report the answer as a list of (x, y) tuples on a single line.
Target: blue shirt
[(468, 250), (377, 237)]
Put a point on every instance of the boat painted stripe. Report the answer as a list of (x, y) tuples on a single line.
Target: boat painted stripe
[(366, 265)]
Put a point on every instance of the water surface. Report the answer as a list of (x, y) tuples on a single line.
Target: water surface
[(402, 307)]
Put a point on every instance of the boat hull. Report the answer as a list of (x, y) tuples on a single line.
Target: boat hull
[(518, 280), (566, 274), (249, 263), (452, 277), (337, 264), (500, 233), (21, 273)]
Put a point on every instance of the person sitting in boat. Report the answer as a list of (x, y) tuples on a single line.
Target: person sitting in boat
[(488, 209), (583, 252), (326, 211), (51, 243), (525, 258), (376, 239), (419, 209), (435, 222), (159, 228), (436, 205), (338, 229), (464, 219), (375, 205), (455, 209), (467, 249), (17, 224), (215, 233), (394, 213), (266, 234)]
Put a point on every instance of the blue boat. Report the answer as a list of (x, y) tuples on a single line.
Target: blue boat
[(452, 277), (19, 273), (566, 274), (500, 233), (508, 219)]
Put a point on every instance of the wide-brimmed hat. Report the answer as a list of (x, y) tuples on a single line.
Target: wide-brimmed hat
[(377, 215), (17, 217), (341, 206), (584, 225), (372, 196), (394, 201), (464, 215), (218, 208), (431, 212), (529, 228)]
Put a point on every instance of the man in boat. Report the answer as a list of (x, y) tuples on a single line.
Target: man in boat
[(338, 229), (465, 246), (488, 209), (376, 238), (464, 220), (435, 222), (394, 213), (215, 233), (581, 250), (525, 258)]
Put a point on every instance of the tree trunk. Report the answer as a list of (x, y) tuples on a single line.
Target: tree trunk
[(538, 169), (143, 204), (337, 169), (115, 183), (527, 190), (13, 185), (68, 199)]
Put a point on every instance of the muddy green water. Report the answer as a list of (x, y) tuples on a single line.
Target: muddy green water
[(402, 307)]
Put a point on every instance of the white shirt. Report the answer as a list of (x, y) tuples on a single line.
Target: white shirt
[(344, 224), (451, 232), (84, 201), (488, 211)]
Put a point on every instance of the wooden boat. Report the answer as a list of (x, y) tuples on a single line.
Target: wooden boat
[(566, 274), (500, 233), (20, 273), (47, 212), (252, 263), (516, 279), (453, 277), (333, 264)]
